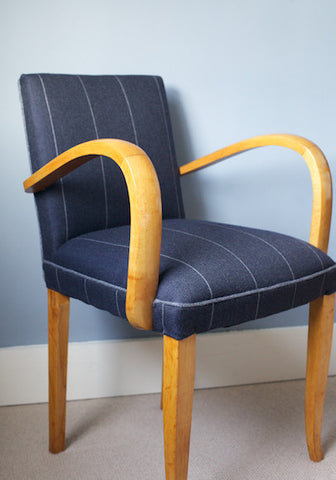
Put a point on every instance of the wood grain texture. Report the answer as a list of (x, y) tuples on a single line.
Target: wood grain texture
[(321, 322), (162, 382), (178, 390), (318, 167), (58, 308), (146, 215)]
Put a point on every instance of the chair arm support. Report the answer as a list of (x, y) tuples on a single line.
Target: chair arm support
[(146, 215), (319, 172)]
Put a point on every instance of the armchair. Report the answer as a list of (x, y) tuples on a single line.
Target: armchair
[(102, 146)]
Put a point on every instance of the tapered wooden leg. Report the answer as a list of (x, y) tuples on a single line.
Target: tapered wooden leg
[(178, 389), (162, 382), (321, 321), (58, 308)]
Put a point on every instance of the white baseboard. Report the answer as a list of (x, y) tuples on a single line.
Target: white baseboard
[(127, 367)]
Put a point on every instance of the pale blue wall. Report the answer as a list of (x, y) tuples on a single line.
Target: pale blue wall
[(233, 69)]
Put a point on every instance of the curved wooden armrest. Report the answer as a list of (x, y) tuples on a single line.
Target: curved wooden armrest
[(146, 217), (319, 171)]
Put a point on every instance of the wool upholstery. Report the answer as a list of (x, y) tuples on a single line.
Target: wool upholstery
[(211, 275), (64, 110)]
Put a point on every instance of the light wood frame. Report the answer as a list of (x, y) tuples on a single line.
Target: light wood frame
[(318, 167), (144, 258), (321, 313), (146, 215)]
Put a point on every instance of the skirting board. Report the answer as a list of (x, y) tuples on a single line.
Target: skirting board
[(128, 367)]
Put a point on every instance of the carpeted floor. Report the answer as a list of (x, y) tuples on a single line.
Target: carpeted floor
[(253, 432)]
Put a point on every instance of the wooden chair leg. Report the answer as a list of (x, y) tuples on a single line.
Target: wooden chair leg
[(162, 381), (178, 390), (58, 319), (321, 321)]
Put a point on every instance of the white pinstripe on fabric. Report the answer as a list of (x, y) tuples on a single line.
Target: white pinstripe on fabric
[(320, 260), (82, 275), (227, 250), (314, 251), (129, 108), (193, 268), (218, 245), (56, 154), (117, 303), (307, 245), (85, 290), (243, 232), (97, 136), (57, 280), (161, 255), (202, 302), (202, 276)]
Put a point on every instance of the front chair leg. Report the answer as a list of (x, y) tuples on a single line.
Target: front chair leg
[(58, 315), (178, 390), (321, 321)]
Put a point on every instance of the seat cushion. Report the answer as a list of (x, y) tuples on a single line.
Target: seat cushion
[(211, 275)]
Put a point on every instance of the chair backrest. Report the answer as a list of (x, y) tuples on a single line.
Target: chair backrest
[(64, 110)]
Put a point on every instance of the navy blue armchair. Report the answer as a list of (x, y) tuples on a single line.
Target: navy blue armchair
[(114, 235)]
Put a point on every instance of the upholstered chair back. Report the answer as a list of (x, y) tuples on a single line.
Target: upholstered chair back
[(64, 110)]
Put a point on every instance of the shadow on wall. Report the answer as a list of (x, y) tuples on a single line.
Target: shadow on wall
[(193, 202)]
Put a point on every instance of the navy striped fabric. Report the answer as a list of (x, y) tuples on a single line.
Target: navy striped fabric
[(211, 275), (64, 110)]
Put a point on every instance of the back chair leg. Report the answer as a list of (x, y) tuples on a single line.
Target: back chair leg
[(162, 382), (58, 318), (178, 390), (321, 321)]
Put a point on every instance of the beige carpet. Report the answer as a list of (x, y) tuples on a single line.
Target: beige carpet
[(239, 433)]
